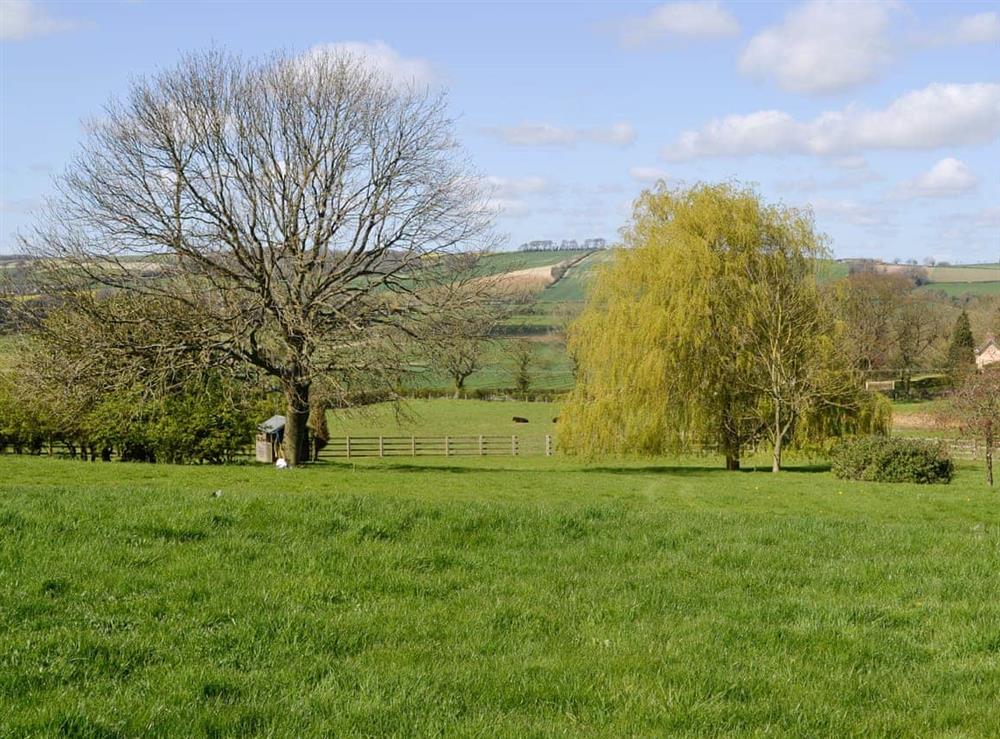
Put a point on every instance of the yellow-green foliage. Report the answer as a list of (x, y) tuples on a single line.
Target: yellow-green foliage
[(662, 347), (864, 414)]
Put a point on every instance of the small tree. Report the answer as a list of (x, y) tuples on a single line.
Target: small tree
[(460, 345), (523, 357), (917, 326), (976, 406), (962, 350)]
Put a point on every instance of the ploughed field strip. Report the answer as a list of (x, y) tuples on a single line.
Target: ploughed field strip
[(493, 596)]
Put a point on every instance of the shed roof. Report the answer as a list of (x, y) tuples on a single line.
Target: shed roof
[(272, 425)]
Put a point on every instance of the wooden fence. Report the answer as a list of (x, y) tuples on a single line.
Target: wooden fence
[(347, 447), (959, 448)]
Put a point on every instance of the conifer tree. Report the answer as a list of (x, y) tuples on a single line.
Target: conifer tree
[(962, 350)]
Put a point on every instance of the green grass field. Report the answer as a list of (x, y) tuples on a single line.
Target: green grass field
[(499, 597), (963, 273), (507, 261), (550, 370), (445, 417), (573, 287), (959, 289)]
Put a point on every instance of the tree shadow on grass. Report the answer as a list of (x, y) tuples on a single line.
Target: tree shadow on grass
[(397, 467), (675, 470), (690, 470)]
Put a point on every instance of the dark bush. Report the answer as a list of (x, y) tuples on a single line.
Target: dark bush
[(889, 459)]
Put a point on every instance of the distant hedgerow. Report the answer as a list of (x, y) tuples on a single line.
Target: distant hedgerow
[(888, 459)]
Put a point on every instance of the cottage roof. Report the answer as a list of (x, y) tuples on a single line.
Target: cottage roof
[(991, 341)]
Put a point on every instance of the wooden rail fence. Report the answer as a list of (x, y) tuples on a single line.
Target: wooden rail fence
[(346, 447), (959, 448)]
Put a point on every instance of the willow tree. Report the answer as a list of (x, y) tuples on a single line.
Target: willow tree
[(289, 212), (706, 328)]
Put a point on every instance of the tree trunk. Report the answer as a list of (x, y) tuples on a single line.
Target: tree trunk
[(459, 384), (731, 445), (989, 463), (296, 439), (778, 438)]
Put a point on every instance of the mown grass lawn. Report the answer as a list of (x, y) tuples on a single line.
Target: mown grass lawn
[(497, 597)]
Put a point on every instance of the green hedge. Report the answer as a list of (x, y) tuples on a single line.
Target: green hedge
[(891, 459)]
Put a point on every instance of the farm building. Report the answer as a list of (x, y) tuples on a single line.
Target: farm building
[(988, 353)]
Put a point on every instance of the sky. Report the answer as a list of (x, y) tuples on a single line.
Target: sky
[(883, 117)]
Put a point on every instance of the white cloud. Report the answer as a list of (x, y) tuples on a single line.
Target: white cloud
[(381, 56), (508, 186), (962, 236), (948, 178), (988, 217), (647, 174), (851, 163), (868, 215), (822, 47), (936, 116), (547, 134), (982, 28), (849, 173), (680, 21), (23, 19), (507, 195)]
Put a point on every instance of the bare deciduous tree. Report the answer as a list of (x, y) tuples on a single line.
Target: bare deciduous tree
[(291, 212), (976, 407), (458, 339)]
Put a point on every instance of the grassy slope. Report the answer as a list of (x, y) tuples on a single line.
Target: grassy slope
[(441, 417), (511, 597), (507, 261), (551, 369), (963, 273), (958, 289), (572, 288)]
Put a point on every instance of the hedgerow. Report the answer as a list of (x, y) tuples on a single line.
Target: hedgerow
[(891, 459)]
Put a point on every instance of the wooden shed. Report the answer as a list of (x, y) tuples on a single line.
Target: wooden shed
[(270, 434)]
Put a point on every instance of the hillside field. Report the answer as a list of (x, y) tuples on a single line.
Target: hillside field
[(960, 289)]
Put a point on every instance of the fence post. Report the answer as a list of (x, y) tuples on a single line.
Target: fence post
[(413, 446), (513, 445), (381, 447), (480, 445), (348, 446), (447, 445), (548, 445)]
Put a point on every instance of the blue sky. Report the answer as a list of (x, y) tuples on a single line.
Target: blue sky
[(884, 117)]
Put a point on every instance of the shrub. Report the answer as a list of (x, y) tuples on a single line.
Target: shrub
[(887, 459)]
